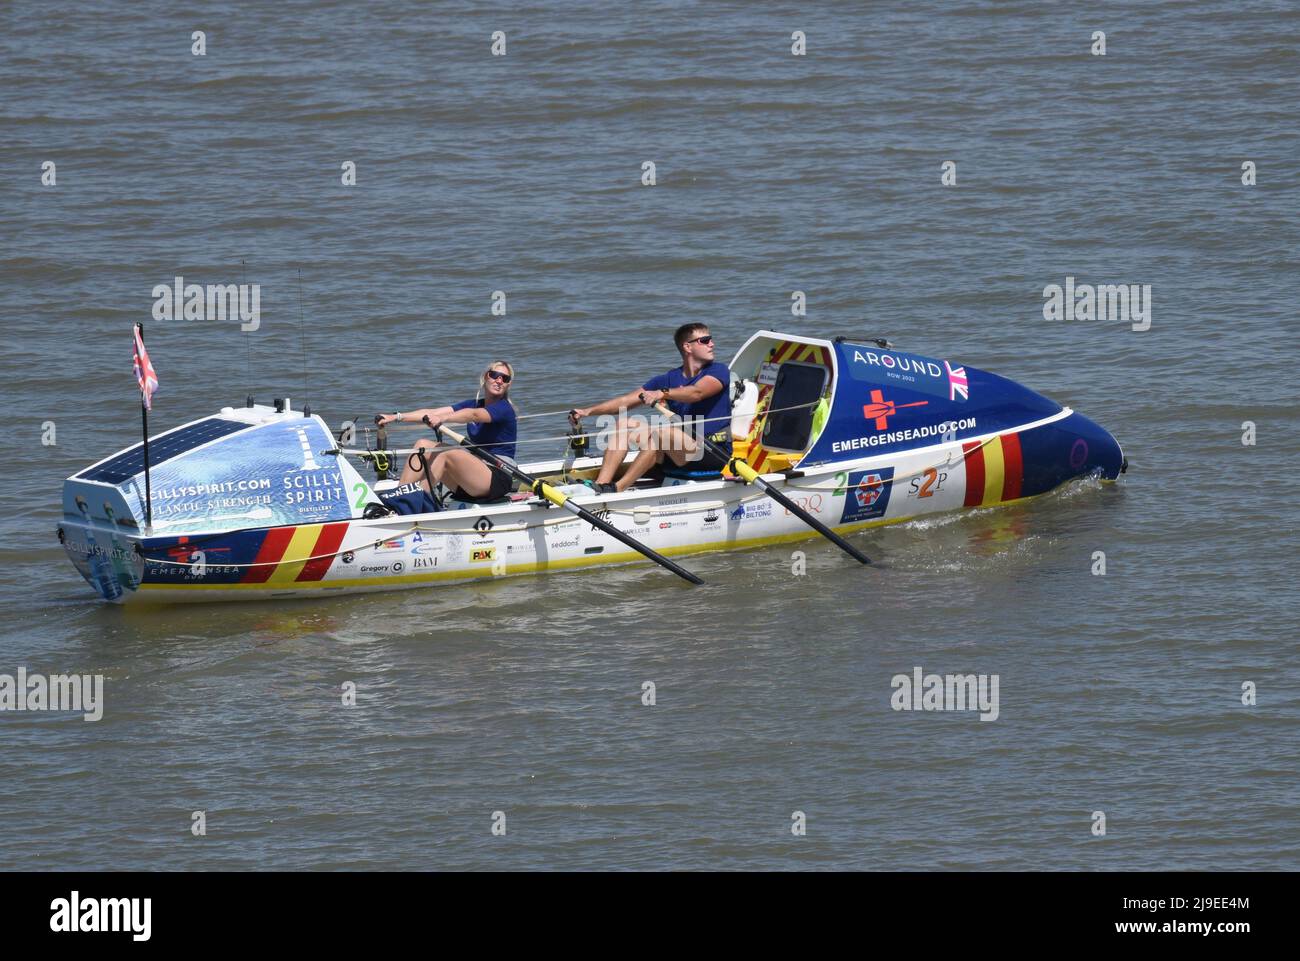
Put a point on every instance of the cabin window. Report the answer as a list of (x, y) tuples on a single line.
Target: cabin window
[(794, 400)]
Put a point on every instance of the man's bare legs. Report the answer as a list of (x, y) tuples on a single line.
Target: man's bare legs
[(653, 444)]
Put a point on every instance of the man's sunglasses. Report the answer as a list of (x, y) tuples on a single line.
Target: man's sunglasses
[(497, 375), (705, 340)]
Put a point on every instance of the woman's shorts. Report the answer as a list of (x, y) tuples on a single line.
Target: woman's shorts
[(501, 485)]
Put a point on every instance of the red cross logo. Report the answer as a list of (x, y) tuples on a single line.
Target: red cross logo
[(868, 490), (880, 410)]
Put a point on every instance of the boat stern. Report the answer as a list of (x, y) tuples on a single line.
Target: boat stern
[(99, 534)]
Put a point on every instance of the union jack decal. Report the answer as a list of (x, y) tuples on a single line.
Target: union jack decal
[(957, 383)]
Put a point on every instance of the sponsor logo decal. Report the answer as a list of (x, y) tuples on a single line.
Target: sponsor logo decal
[(812, 503), (483, 525), (373, 568), (481, 554), (928, 484), (667, 525), (348, 557), (749, 512), (398, 567), (1078, 454), (880, 410), (420, 562), (903, 436), (915, 373), (867, 494), (556, 545), (391, 546)]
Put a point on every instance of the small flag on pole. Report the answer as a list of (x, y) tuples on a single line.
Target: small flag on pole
[(144, 372)]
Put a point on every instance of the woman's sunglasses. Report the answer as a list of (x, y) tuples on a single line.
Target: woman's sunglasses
[(497, 375), (705, 340)]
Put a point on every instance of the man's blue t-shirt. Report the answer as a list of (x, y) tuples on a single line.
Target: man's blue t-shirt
[(499, 434), (715, 410)]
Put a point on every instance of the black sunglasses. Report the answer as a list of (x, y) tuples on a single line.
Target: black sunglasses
[(705, 340), (497, 375)]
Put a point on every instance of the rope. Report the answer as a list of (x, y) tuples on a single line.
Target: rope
[(674, 510), (897, 477), (564, 437), (447, 531)]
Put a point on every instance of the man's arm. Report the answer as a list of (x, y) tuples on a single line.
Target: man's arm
[(702, 389), (612, 406)]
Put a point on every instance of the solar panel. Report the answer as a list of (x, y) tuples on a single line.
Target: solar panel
[(131, 461)]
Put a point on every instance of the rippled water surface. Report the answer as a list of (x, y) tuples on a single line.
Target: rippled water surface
[(775, 173)]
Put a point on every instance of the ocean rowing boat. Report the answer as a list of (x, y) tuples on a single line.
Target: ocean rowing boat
[(263, 502)]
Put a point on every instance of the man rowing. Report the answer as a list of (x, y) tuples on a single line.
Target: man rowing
[(492, 425), (697, 391)]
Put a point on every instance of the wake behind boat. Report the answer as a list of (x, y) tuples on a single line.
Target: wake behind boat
[(263, 502)]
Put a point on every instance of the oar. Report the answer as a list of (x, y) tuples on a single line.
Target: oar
[(543, 489), (740, 467)]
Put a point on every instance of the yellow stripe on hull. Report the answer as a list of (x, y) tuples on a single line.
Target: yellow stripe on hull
[(995, 472), (304, 539)]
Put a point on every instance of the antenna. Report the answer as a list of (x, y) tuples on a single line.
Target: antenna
[(302, 335), (248, 346)]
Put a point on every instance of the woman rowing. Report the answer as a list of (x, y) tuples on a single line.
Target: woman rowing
[(490, 417)]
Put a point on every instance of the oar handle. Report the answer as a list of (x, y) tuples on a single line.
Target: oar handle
[(442, 429), (546, 491)]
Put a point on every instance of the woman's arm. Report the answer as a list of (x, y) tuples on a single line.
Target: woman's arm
[(466, 415), (418, 415)]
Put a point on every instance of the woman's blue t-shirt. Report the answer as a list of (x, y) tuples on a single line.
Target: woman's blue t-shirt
[(715, 410), (499, 434)]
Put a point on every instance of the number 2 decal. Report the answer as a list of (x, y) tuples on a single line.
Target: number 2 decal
[(931, 475), (362, 492)]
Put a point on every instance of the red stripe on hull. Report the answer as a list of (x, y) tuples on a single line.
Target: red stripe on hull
[(272, 549), (1014, 468), (331, 536), (974, 473)]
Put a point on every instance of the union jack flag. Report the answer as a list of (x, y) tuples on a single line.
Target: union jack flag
[(144, 372), (957, 383)]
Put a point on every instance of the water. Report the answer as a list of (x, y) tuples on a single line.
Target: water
[(1119, 693)]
